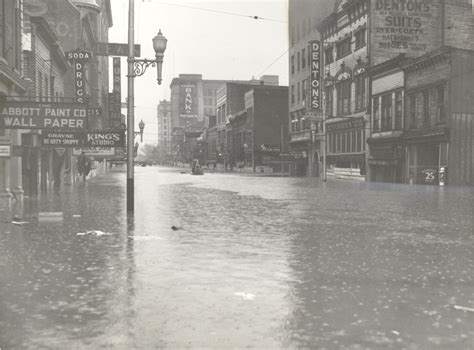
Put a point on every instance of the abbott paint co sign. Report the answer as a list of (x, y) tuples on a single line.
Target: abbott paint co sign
[(29, 115)]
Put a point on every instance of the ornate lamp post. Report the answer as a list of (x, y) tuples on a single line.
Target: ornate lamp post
[(136, 68)]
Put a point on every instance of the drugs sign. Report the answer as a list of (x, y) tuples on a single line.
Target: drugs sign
[(29, 115)]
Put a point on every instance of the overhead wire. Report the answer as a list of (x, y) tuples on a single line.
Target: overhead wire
[(217, 11)]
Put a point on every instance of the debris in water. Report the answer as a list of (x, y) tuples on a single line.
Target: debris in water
[(463, 308), (94, 233), (245, 296), (76, 216), (20, 222), (175, 228), (395, 332)]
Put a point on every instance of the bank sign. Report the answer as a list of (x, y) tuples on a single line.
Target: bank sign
[(315, 78), (411, 27), (188, 100), (32, 115)]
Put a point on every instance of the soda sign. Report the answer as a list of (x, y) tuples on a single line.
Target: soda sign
[(79, 58)]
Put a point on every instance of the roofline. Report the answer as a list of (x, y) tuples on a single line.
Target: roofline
[(432, 54)]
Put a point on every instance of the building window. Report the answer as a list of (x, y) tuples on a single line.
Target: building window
[(293, 64), (360, 93), (343, 48), (343, 97), (360, 39), (298, 62), (426, 109), (303, 89), (387, 112), (292, 94), (328, 56), (303, 59), (298, 93), (411, 111), (40, 86), (329, 101), (398, 110), (376, 114), (441, 105)]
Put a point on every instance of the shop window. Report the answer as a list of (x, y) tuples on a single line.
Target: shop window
[(360, 92), (328, 56), (343, 48), (334, 143), (386, 110), (376, 114), (343, 97), (398, 110), (353, 141), (359, 141), (303, 59), (360, 39), (343, 148)]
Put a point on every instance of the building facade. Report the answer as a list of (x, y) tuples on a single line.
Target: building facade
[(344, 33), (164, 131), (304, 18)]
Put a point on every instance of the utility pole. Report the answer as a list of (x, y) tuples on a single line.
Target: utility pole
[(130, 111)]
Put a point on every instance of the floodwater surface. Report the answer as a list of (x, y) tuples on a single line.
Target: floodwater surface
[(259, 262)]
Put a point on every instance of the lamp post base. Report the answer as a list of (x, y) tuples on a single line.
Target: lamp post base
[(130, 194)]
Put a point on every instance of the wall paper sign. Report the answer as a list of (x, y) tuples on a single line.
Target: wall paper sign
[(47, 116)]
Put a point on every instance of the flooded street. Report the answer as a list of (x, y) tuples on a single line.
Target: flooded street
[(262, 262)]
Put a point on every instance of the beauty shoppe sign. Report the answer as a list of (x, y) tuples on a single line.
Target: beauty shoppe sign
[(49, 116), (412, 27), (91, 138)]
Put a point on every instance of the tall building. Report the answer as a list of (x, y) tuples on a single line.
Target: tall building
[(164, 131), (304, 17)]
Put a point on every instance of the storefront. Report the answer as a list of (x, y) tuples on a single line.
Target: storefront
[(346, 147), (386, 160), (426, 155)]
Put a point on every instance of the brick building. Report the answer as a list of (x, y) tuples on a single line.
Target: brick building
[(164, 130)]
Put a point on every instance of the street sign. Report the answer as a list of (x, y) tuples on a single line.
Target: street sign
[(114, 49), (49, 116), (5, 151)]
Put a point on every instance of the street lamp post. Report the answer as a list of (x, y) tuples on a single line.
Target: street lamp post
[(137, 67)]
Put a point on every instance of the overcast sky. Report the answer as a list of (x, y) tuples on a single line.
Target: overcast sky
[(216, 45)]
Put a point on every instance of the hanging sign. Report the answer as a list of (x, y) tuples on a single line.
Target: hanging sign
[(32, 115), (79, 58), (315, 77), (61, 139), (104, 138)]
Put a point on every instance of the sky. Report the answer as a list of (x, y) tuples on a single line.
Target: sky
[(214, 44)]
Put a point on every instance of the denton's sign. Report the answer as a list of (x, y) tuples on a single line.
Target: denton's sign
[(315, 79), (30, 115)]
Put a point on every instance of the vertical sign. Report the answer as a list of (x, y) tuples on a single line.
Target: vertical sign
[(411, 27), (188, 100), (315, 78), (117, 84), (79, 58)]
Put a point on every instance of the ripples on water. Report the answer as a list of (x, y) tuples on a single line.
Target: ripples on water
[(257, 261)]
